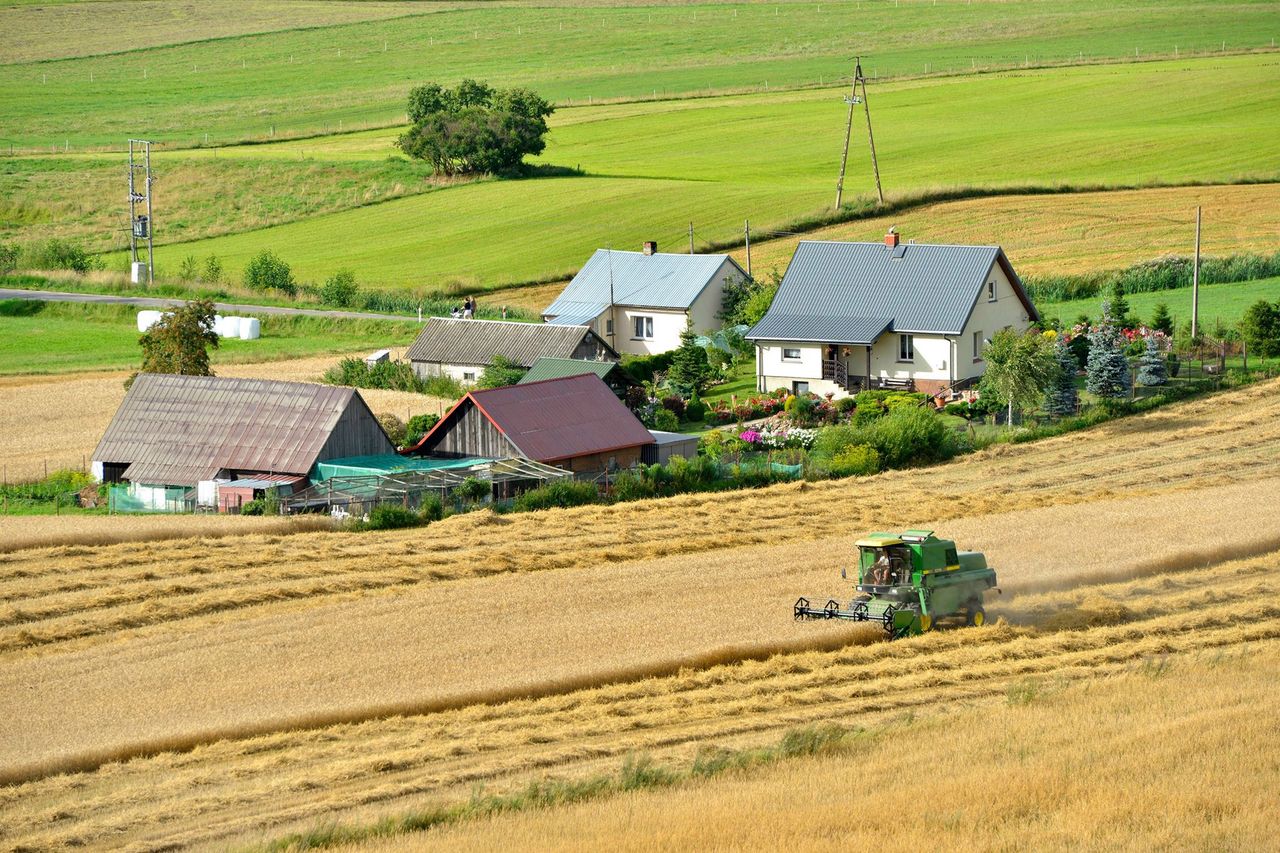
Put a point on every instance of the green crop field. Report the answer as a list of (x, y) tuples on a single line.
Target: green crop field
[(1225, 303), (321, 78), (60, 338), (654, 168)]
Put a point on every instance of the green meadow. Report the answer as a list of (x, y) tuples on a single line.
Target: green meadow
[(1225, 303), (321, 79), (652, 168)]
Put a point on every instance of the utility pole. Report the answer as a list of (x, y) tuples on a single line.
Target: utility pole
[(853, 99), (140, 225), (1195, 283), (609, 320), (691, 238), (748, 233)]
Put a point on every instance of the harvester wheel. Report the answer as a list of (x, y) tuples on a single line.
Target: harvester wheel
[(975, 615)]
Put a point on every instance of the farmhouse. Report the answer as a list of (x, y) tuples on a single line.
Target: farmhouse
[(850, 316), (640, 302), (575, 423), (611, 372), (463, 348), (181, 441)]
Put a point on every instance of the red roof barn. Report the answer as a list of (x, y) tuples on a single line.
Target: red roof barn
[(575, 422)]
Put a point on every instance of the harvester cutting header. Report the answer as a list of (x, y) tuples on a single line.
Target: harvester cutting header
[(908, 582)]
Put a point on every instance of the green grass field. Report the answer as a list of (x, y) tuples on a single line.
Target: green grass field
[(61, 338), (1225, 303), (653, 168), (315, 80)]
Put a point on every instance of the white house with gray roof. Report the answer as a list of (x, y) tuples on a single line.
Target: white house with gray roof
[(640, 302), (850, 316)]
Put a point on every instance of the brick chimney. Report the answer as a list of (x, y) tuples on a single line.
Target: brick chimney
[(651, 247), (891, 238)]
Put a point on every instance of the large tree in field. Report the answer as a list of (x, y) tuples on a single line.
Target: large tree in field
[(474, 127), (1107, 366), (1020, 369), (180, 341)]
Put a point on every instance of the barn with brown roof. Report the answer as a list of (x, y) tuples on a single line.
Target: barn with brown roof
[(175, 433), (575, 422)]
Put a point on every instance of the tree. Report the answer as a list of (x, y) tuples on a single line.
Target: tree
[(340, 289), (1107, 367), (266, 271), (501, 372), (690, 372), (1020, 369), (474, 127), (1120, 308), (1062, 398), (393, 427), (179, 342), (1260, 328), (189, 269), (1161, 321), (212, 270), (1151, 366)]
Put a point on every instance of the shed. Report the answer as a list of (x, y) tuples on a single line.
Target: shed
[(574, 422), (463, 348), (667, 445), (178, 431), (612, 372)]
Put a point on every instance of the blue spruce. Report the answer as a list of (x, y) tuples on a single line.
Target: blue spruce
[(1152, 369), (1062, 398), (1107, 367)]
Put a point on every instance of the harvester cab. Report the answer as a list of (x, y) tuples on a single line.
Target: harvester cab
[(909, 581)]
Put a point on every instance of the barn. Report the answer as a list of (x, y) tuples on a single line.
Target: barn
[(180, 441), (463, 348), (575, 423)]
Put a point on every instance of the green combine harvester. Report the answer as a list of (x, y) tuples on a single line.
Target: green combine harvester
[(909, 582)]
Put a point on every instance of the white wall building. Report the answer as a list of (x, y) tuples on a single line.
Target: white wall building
[(463, 348), (850, 316), (640, 302)]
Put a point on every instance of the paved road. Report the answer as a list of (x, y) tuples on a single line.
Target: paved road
[(155, 302)]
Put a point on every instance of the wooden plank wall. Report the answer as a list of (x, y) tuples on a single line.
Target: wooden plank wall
[(471, 434)]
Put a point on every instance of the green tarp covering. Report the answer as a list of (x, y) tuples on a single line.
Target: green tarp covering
[(390, 463)]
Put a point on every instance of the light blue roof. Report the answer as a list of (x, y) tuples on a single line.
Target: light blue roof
[(852, 292), (638, 280)]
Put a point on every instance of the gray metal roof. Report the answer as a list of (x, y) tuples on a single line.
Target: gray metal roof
[(659, 280), (178, 430), (450, 341), (839, 292)]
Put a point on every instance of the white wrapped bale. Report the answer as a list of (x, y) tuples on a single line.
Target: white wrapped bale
[(226, 327), (250, 328), (147, 319)]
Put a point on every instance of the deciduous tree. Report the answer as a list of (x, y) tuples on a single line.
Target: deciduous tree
[(179, 342), (1020, 369)]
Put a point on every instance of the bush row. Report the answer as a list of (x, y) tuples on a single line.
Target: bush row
[(391, 376), (1151, 276)]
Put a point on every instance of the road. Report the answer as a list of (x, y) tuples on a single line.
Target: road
[(157, 302)]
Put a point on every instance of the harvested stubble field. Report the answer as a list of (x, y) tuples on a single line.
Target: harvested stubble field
[(325, 673), (56, 421)]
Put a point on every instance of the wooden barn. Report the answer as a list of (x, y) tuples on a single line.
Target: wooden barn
[(463, 348), (575, 422), (179, 439)]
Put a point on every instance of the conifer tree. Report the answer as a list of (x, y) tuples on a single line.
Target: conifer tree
[(1107, 367), (1151, 367), (1062, 398)]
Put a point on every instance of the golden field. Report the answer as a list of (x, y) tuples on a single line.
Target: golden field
[(227, 691)]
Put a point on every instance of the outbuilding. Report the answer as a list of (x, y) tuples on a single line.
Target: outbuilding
[(462, 349)]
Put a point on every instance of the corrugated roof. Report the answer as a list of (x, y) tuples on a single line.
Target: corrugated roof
[(558, 368), (450, 341), (833, 290), (178, 430), (638, 280), (555, 419)]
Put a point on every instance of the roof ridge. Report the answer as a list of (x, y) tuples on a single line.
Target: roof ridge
[(900, 245), (476, 320)]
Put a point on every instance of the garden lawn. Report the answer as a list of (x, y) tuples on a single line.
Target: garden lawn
[(66, 337), (654, 168), (1219, 303), (324, 78)]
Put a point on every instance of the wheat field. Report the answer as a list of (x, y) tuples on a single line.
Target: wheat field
[(226, 691)]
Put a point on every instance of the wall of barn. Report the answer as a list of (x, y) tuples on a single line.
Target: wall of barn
[(470, 433), (596, 462), (357, 433)]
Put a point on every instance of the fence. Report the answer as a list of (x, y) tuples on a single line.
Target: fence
[(133, 498)]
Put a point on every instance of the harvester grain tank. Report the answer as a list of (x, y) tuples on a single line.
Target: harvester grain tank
[(910, 581)]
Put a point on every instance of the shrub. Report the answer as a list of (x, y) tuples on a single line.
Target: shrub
[(712, 444), (257, 506), (431, 508), (1260, 327), (675, 404), (559, 494), (804, 411), (473, 489), (500, 373), (20, 307), (845, 405), (265, 271), (189, 270), (393, 427), (340, 289), (833, 439), (643, 367), (56, 254), (8, 257), (392, 517), (695, 410), (665, 420), (418, 426), (855, 460), (911, 436), (212, 270), (390, 376), (631, 486)]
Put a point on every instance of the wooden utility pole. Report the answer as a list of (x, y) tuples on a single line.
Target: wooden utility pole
[(747, 230), (853, 99), (691, 238), (1195, 283)]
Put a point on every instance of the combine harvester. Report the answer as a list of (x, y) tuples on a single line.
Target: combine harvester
[(909, 582)]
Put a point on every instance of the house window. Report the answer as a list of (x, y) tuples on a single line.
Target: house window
[(991, 291), (608, 327), (799, 388), (906, 348), (789, 354), (468, 377), (644, 328), (977, 346)]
